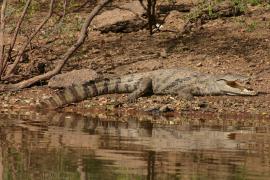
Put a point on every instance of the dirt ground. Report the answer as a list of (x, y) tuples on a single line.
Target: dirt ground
[(238, 45)]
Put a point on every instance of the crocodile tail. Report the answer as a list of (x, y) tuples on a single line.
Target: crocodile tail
[(81, 92)]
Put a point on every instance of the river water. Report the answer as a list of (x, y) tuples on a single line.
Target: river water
[(71, 146)]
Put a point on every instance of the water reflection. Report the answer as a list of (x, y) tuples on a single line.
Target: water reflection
[(71, 146)]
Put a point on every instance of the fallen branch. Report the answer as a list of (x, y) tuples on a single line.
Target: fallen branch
[(18, 58), (67, 55)]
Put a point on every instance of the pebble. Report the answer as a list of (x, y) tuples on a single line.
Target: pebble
[(199, 64)]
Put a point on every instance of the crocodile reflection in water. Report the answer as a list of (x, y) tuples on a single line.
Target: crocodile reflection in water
[(76, 130)]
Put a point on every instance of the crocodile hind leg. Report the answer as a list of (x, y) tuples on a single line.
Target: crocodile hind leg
[(144, 87), (185, 94)]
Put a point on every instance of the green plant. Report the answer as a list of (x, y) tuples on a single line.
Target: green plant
[(252, 26), (210, 10), (241, 4), (254, 2)]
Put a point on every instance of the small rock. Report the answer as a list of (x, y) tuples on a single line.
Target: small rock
[(95, 51), (27, 101), (199, 64)]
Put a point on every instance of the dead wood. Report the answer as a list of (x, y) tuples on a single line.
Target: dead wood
[(61, 16), (14, 38), (22, 50), (64, 7), (82, 6), (2, 27), (67, 55)]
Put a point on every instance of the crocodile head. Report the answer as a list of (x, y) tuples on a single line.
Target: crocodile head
[(233, 85)]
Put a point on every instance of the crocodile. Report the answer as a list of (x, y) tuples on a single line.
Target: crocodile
[(184, 83)]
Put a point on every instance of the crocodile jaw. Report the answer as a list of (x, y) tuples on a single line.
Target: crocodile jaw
[(233, 88), (243, 92)]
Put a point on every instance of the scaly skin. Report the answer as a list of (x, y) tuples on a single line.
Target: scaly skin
[(182, 82)]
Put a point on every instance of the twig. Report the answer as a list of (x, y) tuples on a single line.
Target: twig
[(142, 4), (2, 27), (81, 6), (64, 7), (61, 16), (15, 35), (67, 55), (13, 66)]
